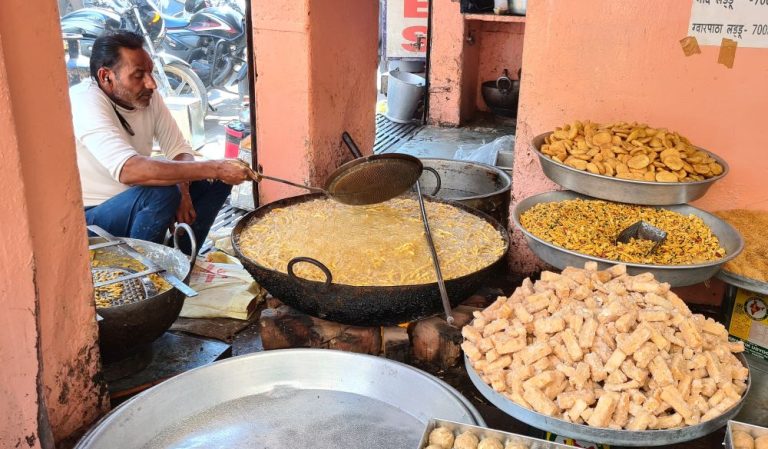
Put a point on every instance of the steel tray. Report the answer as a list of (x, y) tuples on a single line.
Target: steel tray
[(504, 437), (289, 398), (743, 282), (676, 275), (624, 190), (755, 431), (602, 435)]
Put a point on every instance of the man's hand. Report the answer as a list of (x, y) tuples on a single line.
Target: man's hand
[(186, 211), (232, 172)]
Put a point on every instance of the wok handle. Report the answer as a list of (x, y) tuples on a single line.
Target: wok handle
[(437, 176), (192, 240), (315, 262), (353, 148)]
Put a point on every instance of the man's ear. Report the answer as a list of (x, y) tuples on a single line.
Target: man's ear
[(105, 78)]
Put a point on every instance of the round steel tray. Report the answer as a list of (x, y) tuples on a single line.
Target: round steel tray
[(289, 398), (601, 435), (624, 190), (743, 282), (675, 275)]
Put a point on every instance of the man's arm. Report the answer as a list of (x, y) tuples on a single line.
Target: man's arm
[(145, 171)]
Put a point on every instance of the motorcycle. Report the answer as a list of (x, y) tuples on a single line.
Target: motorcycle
[(213, 41), (81, 28)]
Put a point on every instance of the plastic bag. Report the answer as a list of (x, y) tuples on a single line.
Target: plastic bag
[(225, 290), (486, 153)]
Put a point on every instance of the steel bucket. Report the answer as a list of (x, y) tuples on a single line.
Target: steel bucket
[(404, 92), (472, 184)]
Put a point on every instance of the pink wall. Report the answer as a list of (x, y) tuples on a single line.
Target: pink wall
[(316, 66), (45, 276), (607, 61)]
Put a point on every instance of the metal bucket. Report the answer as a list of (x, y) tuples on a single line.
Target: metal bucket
[(472, 184), (404, 91)]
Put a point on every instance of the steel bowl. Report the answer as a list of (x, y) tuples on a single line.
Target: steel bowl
[(752, 285), (125, 328), (228, 404), (600, 435), (501, 102), (675, 275), (479, 186), (624, 190)]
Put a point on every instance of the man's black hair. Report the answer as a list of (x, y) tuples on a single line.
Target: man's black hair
[(106, 49)]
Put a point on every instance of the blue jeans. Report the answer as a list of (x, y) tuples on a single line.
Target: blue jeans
[(145, 213)]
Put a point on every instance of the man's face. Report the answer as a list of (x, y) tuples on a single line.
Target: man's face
[(133, 84)]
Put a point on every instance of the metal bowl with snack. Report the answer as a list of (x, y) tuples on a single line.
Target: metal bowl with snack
[(612, 162), (606, 357), (567, 229)]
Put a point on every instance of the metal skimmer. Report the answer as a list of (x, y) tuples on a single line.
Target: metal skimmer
[(130, 290)]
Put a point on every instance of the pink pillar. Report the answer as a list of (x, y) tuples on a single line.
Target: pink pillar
[(447, 61), (48, 327), (316, 67), (612, 61)]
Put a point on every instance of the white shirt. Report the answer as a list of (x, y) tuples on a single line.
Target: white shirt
[(103, 145)]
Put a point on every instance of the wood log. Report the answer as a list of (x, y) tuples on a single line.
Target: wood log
[(436, 342), (395, 343)]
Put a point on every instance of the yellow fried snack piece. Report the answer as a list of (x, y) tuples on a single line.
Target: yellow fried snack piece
[(639, 149), (591, 227)]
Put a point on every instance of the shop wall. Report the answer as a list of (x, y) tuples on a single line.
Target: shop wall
[(608, 61), (316, 65), (447, 60), (50, 359)]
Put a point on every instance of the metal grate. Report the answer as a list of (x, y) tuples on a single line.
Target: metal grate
[(389, 133), (228, 216)]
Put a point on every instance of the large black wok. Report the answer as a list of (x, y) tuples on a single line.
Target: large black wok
[(355, 305)]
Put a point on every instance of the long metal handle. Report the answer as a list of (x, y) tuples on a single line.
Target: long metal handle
[(435, 261), (258, 176), (353, 148)]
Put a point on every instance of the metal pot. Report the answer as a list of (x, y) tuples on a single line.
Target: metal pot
[(127, 327), (502, 95), (359, 305), (472, 184)]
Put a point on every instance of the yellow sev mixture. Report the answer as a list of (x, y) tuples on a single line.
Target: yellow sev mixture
[(376, 245), (591, 227), (105, 296)]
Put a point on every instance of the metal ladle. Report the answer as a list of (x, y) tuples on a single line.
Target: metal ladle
[(642, 230)]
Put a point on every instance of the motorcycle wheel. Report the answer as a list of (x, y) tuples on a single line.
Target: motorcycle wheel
[(185, 83)]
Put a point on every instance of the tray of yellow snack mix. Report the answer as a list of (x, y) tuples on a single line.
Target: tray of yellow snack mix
[(741, 435), (628, 162), (750, 269), (607, 357), (442, 434), (568, 229)]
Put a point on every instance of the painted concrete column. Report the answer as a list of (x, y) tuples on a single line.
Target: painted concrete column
[(48, 379), (447, 60), (316, 67)]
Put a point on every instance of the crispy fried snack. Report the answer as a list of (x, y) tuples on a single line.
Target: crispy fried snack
[(752, 225), (630, 151), (631, 355), (591, 227)]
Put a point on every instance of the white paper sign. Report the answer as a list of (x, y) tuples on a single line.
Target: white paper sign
[(744, 21)]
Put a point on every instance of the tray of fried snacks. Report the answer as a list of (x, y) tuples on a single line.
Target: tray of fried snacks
[(741, 435), (442, 434), (564, 228), (606, 357), (750, 269), (628, 162)]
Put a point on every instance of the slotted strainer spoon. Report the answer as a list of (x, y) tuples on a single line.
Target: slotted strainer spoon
[(375, 179)]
